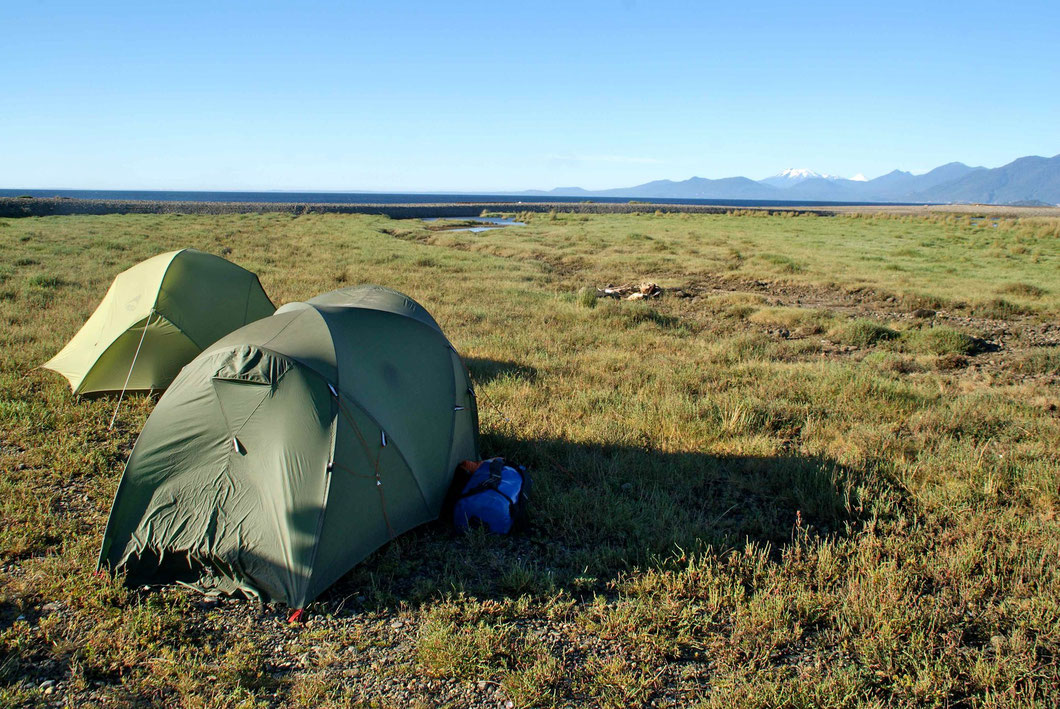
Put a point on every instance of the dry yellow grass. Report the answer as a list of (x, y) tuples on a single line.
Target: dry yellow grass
[(771, 491)]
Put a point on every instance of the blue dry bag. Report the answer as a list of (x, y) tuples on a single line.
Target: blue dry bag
[(493, 497)]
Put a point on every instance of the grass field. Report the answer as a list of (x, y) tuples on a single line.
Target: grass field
[(822, 470)]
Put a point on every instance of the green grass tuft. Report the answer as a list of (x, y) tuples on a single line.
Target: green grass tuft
[(455, 648), (587, 297), (784, 264), (863, 332), (1000, 309), (808, 320), (1027, 290), (45, 281), (943, 341), (1039, 361)]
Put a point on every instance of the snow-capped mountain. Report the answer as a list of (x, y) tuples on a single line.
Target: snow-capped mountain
[(1029, 179), (795, 175)]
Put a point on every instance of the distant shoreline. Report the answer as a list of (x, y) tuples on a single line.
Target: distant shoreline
[(15, 207), (399, 198)]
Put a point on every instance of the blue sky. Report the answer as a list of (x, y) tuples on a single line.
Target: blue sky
[(508, 96)]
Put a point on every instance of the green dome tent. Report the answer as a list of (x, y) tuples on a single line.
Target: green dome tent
[(291, 449), (156, 317)]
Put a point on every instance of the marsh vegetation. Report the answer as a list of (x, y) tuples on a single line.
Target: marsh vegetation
[(822, 469)]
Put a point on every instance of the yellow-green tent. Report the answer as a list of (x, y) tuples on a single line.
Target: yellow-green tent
[(156, 317)]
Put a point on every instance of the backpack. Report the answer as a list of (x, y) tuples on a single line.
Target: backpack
[(490, 494)]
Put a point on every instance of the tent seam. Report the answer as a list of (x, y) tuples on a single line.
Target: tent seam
[(158, 292), (327, 482), (323, 504), (435, 332), (392, 441), (452, 412), (161, 318)]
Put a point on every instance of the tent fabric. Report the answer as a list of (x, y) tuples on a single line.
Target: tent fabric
[(292, 448), (373, 297), (155, 318)]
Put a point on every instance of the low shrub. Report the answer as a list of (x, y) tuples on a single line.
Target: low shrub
[(1026, 290), (950, 362), (944, 341), (999, 308), (863, 332), (587, 297)]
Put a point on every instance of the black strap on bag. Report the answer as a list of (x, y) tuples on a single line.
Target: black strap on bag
[(490, 483)]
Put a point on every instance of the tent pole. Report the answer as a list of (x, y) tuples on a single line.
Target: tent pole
[(131, 365)]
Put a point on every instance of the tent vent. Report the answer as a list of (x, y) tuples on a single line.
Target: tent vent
[(333, 392), (384, 438), (458, 408), (238, 446)]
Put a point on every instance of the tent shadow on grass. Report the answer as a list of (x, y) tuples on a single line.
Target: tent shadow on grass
[(484, 371), (599, 510)]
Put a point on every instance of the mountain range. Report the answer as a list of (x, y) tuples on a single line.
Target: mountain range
[(1028, 180)]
